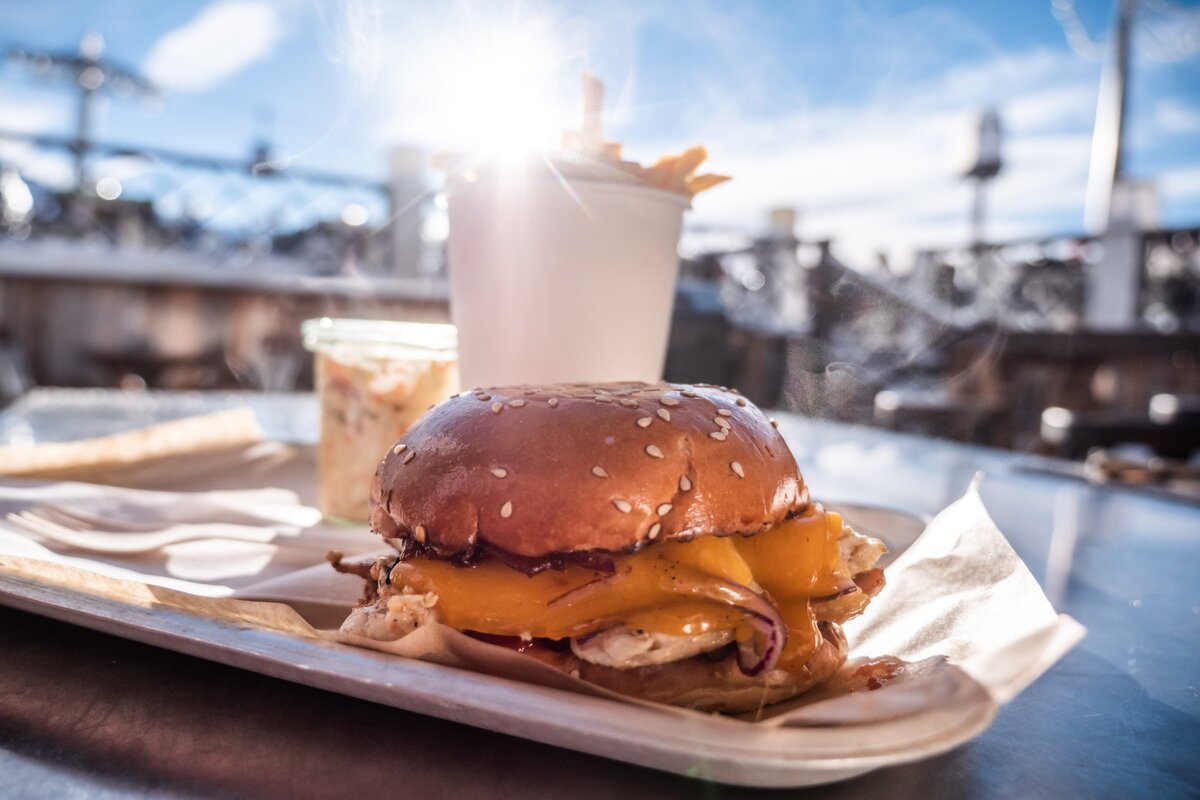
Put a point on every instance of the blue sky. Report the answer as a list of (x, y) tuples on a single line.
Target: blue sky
[(850, 111)]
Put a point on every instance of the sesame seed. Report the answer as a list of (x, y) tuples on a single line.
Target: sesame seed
[(654, 529), (629, 403), (720, 435), (724, 412), (500, 472), (552, 402), (737, 469), (664, 509), (669, 401), (599, 472), (506, 510), (411, 455), (623, 506), (483, 397), (741, 401), (497, 407), (774, 424), (529, 392), (664, 415), (721, 423), (687, 393), (400, 448), (431, 406), (419, 533), (644, 422), (653, 451), (516, 403), (603, 398)]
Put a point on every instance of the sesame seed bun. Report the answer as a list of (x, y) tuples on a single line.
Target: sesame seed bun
[(538, 470)]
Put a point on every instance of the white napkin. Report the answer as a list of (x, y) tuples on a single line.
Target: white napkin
[(961, 592), (297, 537), (245, 507)]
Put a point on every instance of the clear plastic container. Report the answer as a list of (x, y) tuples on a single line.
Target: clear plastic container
[(374, 379)]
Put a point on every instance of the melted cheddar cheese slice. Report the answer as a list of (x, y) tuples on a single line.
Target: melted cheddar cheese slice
[(667, 588)]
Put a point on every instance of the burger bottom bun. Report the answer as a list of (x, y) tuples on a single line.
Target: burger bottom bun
[(708, 685)]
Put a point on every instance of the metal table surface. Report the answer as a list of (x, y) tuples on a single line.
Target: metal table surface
[(83, 714)]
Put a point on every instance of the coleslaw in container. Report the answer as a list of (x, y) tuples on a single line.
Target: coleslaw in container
[(373, 379)]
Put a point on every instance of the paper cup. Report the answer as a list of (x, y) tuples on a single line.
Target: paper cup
[(554, 282)]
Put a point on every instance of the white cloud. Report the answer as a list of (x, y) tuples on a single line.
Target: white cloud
[(1000, 79), (28, 113), (1166, 32), (1181, 184), (883, 175), (220, 41), (51, 168), (1050, 108), (24, 111), (1172, 116)]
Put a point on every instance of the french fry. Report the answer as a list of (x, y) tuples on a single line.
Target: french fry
[(671, 173), (707, 181), (660, 174), (590, 156), (686, 164)]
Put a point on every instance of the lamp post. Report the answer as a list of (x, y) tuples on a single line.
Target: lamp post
[(984, 166), (1113, 282), (1106, 169)]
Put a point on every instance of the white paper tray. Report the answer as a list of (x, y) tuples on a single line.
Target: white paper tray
[(704, 746)]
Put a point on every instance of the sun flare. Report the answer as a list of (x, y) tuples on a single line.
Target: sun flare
[(498, 91)]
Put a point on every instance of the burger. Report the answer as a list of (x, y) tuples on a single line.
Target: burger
[(653, 539)]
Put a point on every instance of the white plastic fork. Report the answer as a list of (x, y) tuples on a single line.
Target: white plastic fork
[(120, 513), (76, 519), (56, 528)]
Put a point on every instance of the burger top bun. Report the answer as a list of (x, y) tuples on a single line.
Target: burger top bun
[(536, 470)]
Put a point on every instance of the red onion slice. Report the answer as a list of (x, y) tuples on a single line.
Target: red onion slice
[(762, 650)]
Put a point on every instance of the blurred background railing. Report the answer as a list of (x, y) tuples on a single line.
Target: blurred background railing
[(214, 212), (974, 343), (180, 271), (175, 270)]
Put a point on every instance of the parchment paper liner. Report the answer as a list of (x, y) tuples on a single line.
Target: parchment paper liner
[(960, 608)]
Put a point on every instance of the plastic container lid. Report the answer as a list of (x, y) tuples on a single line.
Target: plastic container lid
[(380, 337)]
